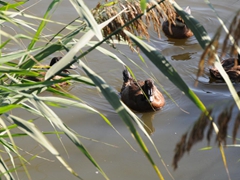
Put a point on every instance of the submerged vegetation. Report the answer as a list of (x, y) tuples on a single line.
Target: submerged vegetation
[(112, 23)]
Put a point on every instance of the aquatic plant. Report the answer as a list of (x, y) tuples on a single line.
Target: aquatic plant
[(222, 111), (18, 92), (121, 19)]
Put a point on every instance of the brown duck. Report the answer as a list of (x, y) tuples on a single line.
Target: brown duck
[(232, 70), (57, 77), (179, 30), (141, 96)]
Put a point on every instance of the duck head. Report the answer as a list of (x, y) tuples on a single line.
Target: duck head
[(148, 89), (56, 59), (179, 22)]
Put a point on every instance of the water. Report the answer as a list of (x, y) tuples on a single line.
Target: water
[(113, 154)]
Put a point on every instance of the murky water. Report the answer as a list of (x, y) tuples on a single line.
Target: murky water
[(117, 158)]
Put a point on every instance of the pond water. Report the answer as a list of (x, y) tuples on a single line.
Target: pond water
[(113, 154)]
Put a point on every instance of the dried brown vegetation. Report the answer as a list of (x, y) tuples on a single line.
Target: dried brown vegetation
[(203, 124), (228, 47), (135, 20)]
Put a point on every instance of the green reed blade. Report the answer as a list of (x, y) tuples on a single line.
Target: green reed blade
[(166, 68), (203, 39), (43, 23), (4, 170), (8, 6), (4, 109), (84, 12), (54, 119), (69, 59), (125, 113), (32, 131)]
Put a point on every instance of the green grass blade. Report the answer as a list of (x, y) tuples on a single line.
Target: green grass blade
[(15, 55), (32, 131), (198, 30), (50, 49), (69, 59), (43, 23), (5, 69), (41, 55), (8, 6), (110, 94), (4, 170), (84, 12), (67, 103), (202, 36), (143, 4), (54, 119), (166, 68), (107, 52), (7, 108)]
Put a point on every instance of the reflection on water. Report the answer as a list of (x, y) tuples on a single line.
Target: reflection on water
[(185, 56), (173, 121), (147, 118), (177, 42)]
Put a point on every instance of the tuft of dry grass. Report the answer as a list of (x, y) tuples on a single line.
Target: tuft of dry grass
[(228, 47), (138, 22), (197, 132), (190, 138)]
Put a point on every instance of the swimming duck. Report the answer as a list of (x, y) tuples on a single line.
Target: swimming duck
[(179, 30), (229, 66), (57, 77), (140, 96)]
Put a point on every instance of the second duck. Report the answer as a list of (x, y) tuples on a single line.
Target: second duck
[(141, 96)]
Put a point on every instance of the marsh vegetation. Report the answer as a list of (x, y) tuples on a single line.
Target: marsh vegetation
[(55, 109)]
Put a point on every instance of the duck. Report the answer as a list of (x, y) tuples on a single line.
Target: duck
[(179, 30), (232, 70), (140, 95), (42, 74)]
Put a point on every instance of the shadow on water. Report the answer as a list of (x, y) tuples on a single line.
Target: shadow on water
[(147, 119)]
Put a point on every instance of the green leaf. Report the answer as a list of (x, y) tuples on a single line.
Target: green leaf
[(202, 36), (206, 148), (84, 12), (166, 68), (15, 55), (32, 131), (5, 69), (198, 30), (143, 4), (4, 170), (4, 109), (54, 119), (7, 6), (42, 24), (124, 112), (69, 59)]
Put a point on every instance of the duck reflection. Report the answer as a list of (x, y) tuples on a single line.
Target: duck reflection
[(182, 57), (177, 42), (147, 119)]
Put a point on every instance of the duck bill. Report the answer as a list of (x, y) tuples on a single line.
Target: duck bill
[(73, 66), (150, 96)]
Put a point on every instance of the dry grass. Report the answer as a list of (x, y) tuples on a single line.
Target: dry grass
[(228, 47), (140, 22), (197, 133)]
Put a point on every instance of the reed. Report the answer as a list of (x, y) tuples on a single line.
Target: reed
[(114, 22)]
